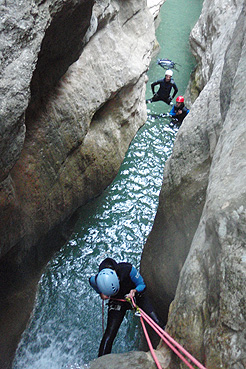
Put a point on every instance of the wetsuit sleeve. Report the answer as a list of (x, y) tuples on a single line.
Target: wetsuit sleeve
[(92, 281), (137, 279), (172, 112), (153, 86), (185, 111), (175, 90)]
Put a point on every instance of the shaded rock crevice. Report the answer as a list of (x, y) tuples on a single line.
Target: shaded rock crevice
[(23, 28), (61, 47)]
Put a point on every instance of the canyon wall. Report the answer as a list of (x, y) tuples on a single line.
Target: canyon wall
[(73, 79), (197, 243), (65, 134), (196, 248)]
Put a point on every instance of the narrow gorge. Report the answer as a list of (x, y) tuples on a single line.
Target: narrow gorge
[(73, 82)]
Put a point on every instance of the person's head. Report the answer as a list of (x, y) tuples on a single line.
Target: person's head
[(108, 282), (180, 102), (168, 74)]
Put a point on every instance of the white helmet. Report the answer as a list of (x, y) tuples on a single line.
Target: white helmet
[(169, 72), (108, 282)]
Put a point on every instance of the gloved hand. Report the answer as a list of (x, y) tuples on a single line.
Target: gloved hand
[(131, 293), (169, 100)]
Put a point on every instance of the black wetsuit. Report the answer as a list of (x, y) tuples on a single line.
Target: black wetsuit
[(164, 92), (117, 309)]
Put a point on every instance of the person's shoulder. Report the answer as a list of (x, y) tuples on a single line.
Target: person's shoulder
[(124, 264)]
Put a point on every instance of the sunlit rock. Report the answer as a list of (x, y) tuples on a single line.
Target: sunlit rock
[(69, 142), (197, 243), (72, 99), (154, 6)]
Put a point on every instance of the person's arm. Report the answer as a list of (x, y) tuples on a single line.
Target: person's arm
[(153, 86), (172, 112), (175, 90), (184, 112), (137, 280)]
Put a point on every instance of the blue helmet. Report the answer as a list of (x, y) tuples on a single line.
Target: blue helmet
[(108, 282)]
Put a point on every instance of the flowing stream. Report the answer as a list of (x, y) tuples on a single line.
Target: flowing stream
[(66, 326)]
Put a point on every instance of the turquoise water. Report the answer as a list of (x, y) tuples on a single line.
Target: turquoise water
[(66, 328)]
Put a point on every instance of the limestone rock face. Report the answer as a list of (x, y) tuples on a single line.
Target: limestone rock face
[(154, 6), (26, 31), (197, 243), (72, 98), (39, 40), (65, 134)]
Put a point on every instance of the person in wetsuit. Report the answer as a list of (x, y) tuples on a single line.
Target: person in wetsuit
[(119, 280), (178, 112), (166, 85)]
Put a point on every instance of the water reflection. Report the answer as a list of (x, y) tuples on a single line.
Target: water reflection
[(67, 321)]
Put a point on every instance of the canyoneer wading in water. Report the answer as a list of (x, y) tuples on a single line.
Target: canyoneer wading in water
[(119, 280), (165, 84), (178, 112)]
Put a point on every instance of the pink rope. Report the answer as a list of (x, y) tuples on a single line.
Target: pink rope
[(103, 316), (150, 344), (166, 337), (170, 345)]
